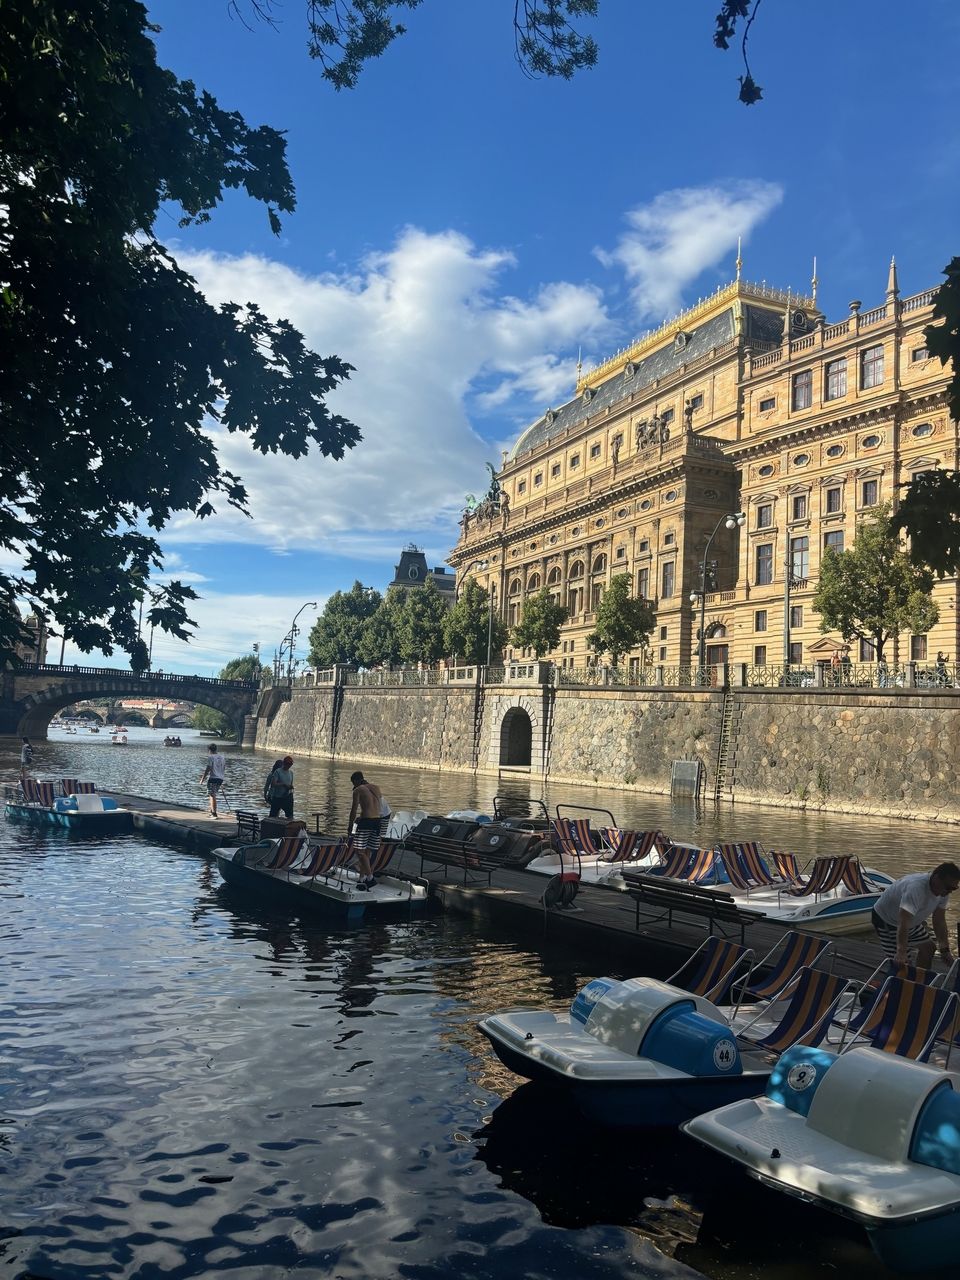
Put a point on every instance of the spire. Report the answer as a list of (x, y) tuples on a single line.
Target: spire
[(739, 263), (579, 364), (893, 287), (786, 319), (814, 281)]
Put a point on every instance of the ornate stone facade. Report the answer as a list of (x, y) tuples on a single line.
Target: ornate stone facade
[(748, 402)]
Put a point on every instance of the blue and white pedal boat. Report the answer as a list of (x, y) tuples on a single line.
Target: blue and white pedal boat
[(93, 813), (869, 1135), (632, 1054)]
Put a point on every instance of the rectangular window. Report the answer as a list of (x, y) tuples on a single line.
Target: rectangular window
[(833, 540), (573, 645), (522, 487), (765, 515), (594, 451), (802, 390), (764, 557), (799, 506), (835, 383), (663, 653), (760, 620), (621, 553), (643, 584), (867, 651), (555, 470), (596, 594), (666, 416), (832, 505), (871, 367), (696, 402), (918, 354), (574, 461), (760, 655), (796, 653), (796, 615), (669, 539), (918, 648), (538, 479), (800, 557), (667, 580), (644, 545), (868, 493), (768, 403), (663, 633)]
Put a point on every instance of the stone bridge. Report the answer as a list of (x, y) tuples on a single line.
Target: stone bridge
[(31, 694)]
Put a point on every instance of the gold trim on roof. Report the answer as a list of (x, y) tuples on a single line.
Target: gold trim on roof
[(724, 296)]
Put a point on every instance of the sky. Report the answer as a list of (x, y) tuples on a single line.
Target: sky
[(462, 232)]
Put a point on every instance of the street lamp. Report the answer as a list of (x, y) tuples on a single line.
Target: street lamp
[(736, 520), (483, 565), (291, 638)]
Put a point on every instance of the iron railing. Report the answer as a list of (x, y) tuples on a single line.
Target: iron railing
[(135, 677)]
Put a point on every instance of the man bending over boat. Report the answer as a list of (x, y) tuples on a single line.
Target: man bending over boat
[(365, 809), (902, 910)]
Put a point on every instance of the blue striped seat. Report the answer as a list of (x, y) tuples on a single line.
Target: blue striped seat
[(712, 969), (907, 1018), (800, 951), (812, 1002)]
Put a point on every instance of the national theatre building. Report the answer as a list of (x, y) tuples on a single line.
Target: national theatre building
[(749, 402)]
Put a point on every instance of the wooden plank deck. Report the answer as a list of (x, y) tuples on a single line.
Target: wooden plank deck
[(602, 922)]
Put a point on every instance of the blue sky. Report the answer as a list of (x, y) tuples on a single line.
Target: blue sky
[(462, 231)]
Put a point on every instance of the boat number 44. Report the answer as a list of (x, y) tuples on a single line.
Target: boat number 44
[(724, 1054)]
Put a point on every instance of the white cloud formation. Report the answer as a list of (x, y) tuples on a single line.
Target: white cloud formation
[(680, 234), (427, 332)]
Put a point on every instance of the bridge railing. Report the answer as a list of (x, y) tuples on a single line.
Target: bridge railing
[(135, 677)]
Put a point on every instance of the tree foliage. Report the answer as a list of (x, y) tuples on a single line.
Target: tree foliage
[(246, 667), (114, 362), (379, 642), (873, 591), (540, 623), (336, 636), (419, 615), (623, 622), (471, 628)]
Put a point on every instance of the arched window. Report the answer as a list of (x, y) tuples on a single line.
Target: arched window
[(576, 569), (533, 582), (716, 631), (553, 577), (600, 564), (515, 587)]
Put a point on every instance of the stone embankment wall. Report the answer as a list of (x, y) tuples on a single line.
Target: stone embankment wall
[(889, 753)]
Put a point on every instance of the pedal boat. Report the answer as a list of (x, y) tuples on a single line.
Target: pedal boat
[(336, 892), (633, 1054), (94, 813), (868, 1135)]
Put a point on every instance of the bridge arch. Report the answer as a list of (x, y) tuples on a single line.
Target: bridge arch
[(31, 695)]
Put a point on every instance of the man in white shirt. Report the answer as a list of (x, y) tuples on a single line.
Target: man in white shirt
[(213, 776), (901, 913)]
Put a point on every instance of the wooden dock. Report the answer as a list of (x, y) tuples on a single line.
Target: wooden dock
[(601, 924)]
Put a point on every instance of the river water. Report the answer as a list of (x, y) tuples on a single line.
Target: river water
[(193, 1085)]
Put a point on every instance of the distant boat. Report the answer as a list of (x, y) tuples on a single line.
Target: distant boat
[(119, 739), (94, 729)]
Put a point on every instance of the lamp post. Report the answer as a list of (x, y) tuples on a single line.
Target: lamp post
[(484, 565), (291, 638), (736, 520)]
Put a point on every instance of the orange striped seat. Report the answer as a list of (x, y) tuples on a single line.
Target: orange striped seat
[(86, 788), (702, 867), (674, 863), (752, 859), (41, 793), (384, 856), (825, 875), (323, 858), (583, 837), (800, 951), (787, 865), (806, 1019), (853, 877), (907, 1017), (729, 855), (288, 850), (712, 969), (68, 786)]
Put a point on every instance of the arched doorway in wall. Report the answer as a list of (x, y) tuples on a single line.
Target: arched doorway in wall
[(516, 738)]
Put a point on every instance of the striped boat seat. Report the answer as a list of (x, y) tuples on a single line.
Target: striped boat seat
[(384, 856), (853, 877), (713, 968), (825, 874), (86, 789), (800, 951), (907, 1017), (787, 865), (703, 866), (807, 1016), (42, 793), (563, 831), (288, 850), (583, 837), (323, 859), (753, 861), (729, 855), (674, 863), (68, 786)]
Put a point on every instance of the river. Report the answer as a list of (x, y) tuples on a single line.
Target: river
[(192, 1085)]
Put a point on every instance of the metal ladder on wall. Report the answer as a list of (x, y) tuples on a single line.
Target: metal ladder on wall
[(549, 702), (479, 702), (726, 746)]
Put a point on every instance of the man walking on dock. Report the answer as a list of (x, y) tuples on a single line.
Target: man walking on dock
[(213, 776), (365, 808), (902, 910)]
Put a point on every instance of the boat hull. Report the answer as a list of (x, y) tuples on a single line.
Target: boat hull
[(331, 898), (642, 1104), (110, 820)]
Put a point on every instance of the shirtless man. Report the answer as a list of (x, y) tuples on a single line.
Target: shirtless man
[(366, 810)]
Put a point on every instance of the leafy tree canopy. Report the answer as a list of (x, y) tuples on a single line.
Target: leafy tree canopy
[(379, 642), (874, 591), (419, 617), (540, 623), (471, 628), (247, 667), (114, 362), (623, 621), (336, 634)]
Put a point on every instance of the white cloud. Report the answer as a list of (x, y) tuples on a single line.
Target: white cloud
[(680, 234), (428, 334)]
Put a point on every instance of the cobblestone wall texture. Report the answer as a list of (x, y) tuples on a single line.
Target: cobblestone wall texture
[(300, 726), (616, 738), (431, 728), (886, 754)]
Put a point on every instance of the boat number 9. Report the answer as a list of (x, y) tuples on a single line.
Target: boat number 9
[(801, 1076), (724, 1054)]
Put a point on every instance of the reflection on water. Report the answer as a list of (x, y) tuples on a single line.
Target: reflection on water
[(192, 1085)]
